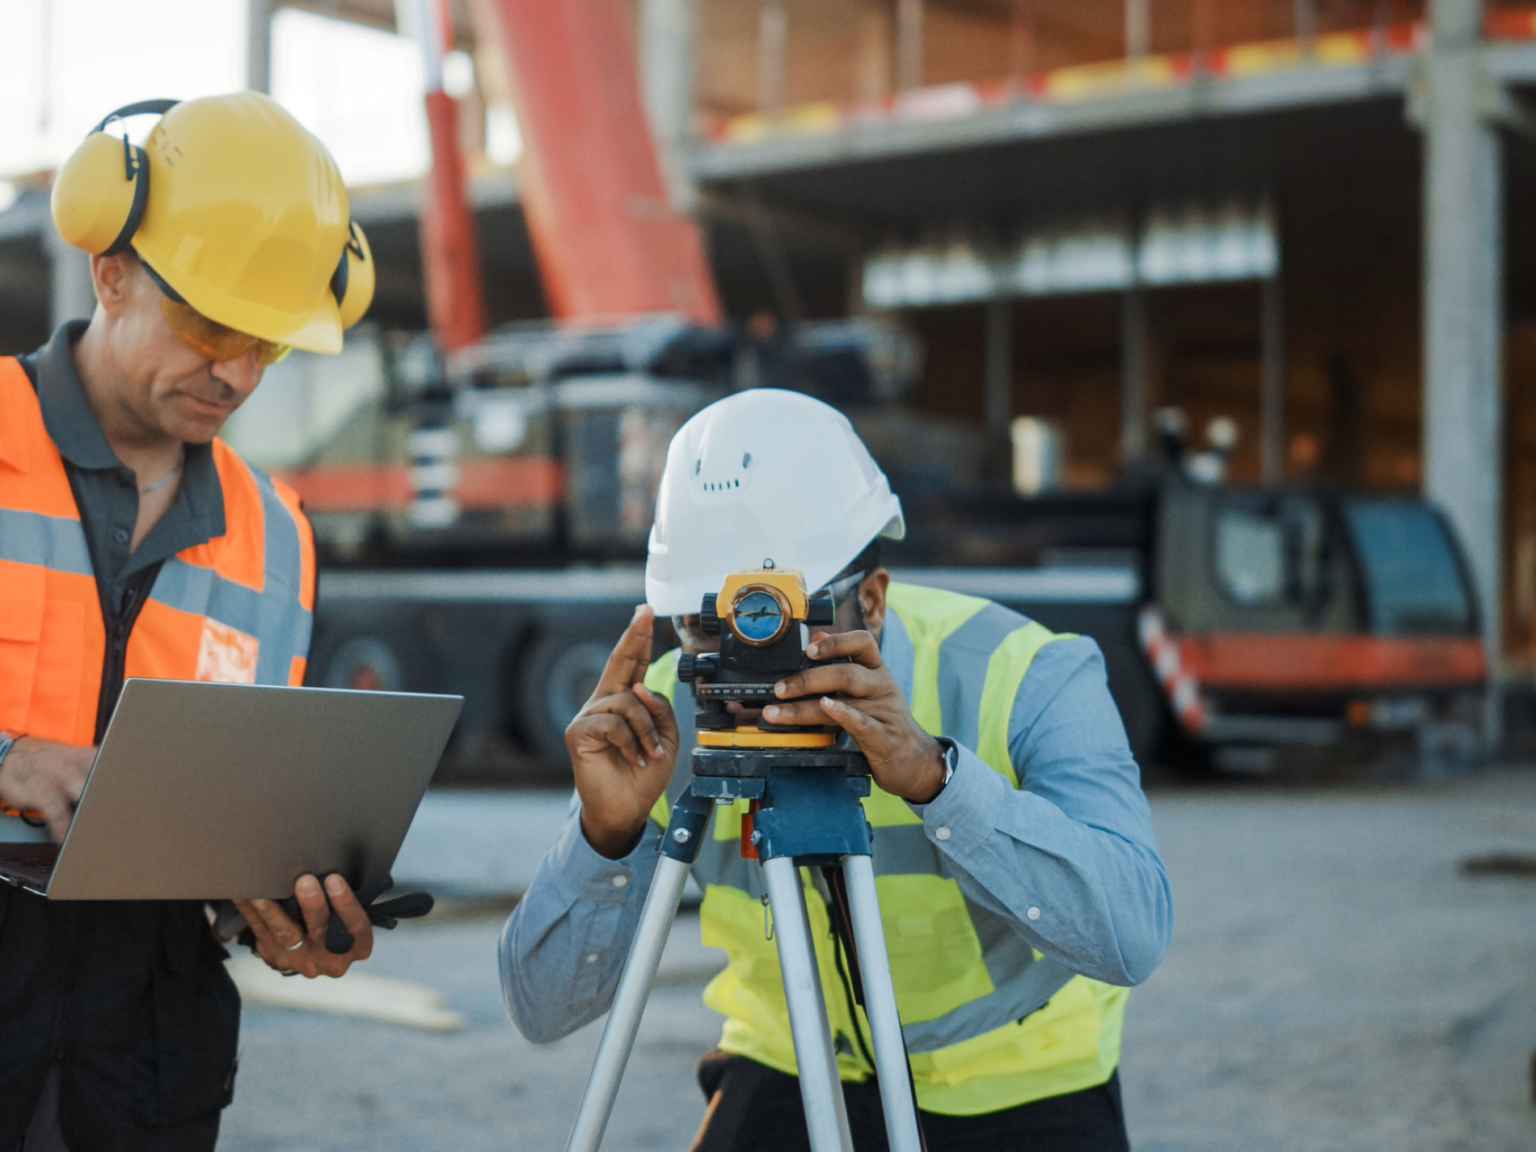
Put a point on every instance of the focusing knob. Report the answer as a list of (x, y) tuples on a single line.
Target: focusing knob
[(709, 619), (822, 610), (685, 667)]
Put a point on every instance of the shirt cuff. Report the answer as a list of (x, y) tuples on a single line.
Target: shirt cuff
[(588, 875), (961, 816)]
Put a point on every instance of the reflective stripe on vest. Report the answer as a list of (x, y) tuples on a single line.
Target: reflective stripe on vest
[(990, 1022), (236, 609)]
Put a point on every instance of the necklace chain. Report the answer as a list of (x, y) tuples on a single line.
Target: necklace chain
[(167, 478)]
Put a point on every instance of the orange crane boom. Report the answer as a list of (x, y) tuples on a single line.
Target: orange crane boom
[(608, 242)]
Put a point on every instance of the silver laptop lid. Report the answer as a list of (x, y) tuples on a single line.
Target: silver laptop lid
[(222, 791)]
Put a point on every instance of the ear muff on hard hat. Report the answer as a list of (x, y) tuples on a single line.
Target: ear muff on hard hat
[(100, 194), (246, 219)]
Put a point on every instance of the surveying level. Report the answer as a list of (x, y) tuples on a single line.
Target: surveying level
[(805, 786)]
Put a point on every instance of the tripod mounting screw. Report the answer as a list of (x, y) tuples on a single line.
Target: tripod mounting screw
[(681, 835)]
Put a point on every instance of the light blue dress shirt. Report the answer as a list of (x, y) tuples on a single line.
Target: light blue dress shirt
[(1068, 858)]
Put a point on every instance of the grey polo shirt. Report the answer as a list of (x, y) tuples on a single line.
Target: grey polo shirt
[(107, 495)]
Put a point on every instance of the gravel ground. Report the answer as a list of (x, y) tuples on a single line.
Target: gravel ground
[(1336, 984)]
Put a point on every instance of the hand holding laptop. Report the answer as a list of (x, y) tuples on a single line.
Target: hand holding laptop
[(288, 947), (45, 776)]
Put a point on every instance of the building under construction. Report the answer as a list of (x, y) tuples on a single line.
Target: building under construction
[(1304, 215)]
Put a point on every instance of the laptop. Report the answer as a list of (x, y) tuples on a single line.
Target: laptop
[(230, 791)]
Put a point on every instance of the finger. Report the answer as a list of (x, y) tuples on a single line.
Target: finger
[(608, 731), (260, 916), (641, 723), (660, 709), (58, 818), (849, 718), (798, 712), (317, 912), (860, 647), (345, 905), (630, 657), (628, 709), (830, 679)]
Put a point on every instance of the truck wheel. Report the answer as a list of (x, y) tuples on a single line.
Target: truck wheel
[(364, 663), (558, 674)]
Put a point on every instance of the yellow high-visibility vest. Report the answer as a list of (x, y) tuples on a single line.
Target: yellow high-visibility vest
[(990, 1023)]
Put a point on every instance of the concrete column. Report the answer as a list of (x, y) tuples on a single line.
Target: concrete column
[(1463, 304), (909, 44), (258, 45), (669, 36), (1272, 380), (1306, 24), (999, 369), (1138, 29), (1133, 376), (71, 295), (772, 54)]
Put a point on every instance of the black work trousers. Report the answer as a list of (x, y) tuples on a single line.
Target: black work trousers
[(128, 1007), (753, 1108)]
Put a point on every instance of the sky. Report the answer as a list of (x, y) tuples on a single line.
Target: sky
[(70, 62)]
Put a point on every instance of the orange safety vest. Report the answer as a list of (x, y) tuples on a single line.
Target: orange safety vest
[(237, 609)]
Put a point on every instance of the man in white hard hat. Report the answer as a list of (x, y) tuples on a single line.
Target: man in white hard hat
[(1021, 888)]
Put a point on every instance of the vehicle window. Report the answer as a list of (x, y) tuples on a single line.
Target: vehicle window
[(1271, 550), (1412, 578), (1250, 556)]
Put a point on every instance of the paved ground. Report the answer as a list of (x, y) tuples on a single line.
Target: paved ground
[(1336, 985)]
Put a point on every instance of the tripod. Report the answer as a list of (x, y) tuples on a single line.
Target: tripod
[(809, 815)]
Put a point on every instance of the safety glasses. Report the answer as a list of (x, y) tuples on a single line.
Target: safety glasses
[(208, 338)]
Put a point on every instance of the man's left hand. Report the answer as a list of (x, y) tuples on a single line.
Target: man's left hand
[(288, 947), (864, 700)]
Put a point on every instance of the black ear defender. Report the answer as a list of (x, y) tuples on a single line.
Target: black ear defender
[(101, 192)]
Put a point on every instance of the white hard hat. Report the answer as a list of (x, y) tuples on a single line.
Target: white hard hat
[(763, 475)]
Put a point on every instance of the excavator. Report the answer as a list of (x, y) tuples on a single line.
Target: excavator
[(482, 513)]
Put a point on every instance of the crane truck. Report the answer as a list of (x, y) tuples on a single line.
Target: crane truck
[(482, 502)]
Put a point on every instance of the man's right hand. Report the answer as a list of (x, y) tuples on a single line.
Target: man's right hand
[(623, 745), (48, 777)]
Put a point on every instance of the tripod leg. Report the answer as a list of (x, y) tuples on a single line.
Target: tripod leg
[(880, 1005), (821, 1090), (628, 1005)]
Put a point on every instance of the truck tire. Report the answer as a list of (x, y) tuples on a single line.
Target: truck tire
[(558, 672), (365, 663)]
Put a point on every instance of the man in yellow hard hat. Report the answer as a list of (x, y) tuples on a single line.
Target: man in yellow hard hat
[(133, 542)]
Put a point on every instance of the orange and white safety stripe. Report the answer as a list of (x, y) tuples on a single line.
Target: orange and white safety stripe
[(1179, 684)]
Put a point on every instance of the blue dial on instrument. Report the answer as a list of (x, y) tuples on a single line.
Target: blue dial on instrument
[(759, 617)]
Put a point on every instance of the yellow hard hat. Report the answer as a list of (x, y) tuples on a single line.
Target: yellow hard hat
[(235, 207)]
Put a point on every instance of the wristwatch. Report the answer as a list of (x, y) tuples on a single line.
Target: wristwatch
[(951, 757)]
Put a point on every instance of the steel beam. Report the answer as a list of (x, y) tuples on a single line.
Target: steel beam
[(258, 45), (1133, 375), (1463, 305), (1272, 379), (669, 40)]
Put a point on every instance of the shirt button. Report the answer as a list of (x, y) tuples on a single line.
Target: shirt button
[(941, 832), (620, 881), (591, 957), (121, 536), (1033, 913)]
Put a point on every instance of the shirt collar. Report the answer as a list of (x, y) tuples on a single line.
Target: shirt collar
[(75, 431), (67, 415)]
